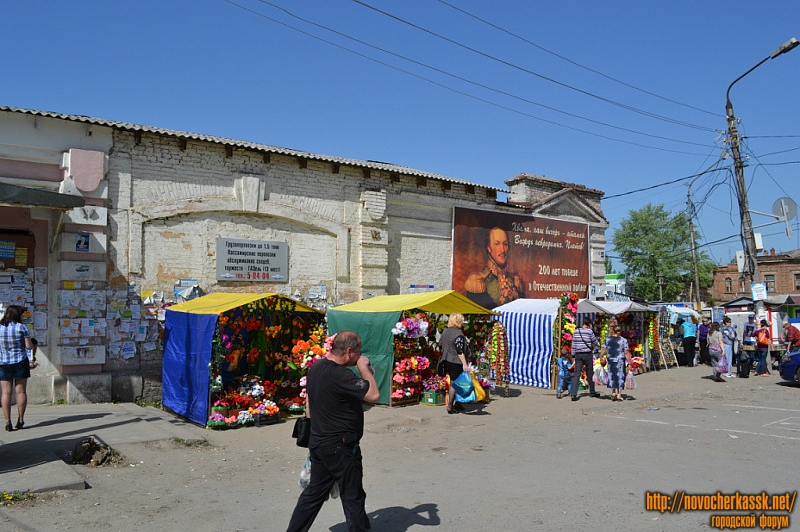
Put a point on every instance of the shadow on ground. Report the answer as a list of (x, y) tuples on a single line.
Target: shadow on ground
[(399, 519)]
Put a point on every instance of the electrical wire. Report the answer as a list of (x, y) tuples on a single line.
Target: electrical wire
[(778, 152), (470, 81), (454, 90), (533, 73), (658, 185), (575, 63)]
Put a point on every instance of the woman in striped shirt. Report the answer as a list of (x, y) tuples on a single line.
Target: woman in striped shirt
[(15, 368)]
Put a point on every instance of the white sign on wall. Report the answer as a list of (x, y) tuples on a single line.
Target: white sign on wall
[(252, 260)]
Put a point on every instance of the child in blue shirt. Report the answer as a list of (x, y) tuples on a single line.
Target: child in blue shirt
[(566, 368)]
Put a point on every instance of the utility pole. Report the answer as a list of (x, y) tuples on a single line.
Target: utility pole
[(660, 288), (751, 255), (694, 249)]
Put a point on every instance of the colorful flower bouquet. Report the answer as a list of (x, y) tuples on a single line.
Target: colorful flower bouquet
[(216, 422), (221, 406), (569, 311), (401, 393), (267, 408), (245, 418), (636, 362), (293, 404), (436, 383), (415, 363), (412, 327)]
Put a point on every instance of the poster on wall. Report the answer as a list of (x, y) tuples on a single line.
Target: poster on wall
[(500, 257), (252, 260), (16, 251)]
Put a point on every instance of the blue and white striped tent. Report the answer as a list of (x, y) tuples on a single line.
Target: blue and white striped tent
[(529, 326)]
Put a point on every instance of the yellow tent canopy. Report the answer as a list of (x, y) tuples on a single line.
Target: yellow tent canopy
[(439, 302), (218, 302)]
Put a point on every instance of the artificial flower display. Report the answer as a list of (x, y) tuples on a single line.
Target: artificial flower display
[(412, 327), (245, 418), (215, 421), (265, 408), (498, 355), (265, 338), (436, 383), (569, 312)]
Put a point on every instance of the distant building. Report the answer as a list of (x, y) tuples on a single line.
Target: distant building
[(779, 271)]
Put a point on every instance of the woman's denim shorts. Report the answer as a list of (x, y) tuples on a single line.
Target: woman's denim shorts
[(20, 370)]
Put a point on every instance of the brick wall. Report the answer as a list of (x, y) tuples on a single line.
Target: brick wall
[(357, 235), (783, 267)]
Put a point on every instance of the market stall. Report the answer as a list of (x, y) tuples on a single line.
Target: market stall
[(639, 324), (218, 342), (529, 326), (397, 357)]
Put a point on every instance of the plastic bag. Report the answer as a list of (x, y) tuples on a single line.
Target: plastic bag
[(722, 365), (630, 382), (305, 473), (600, 375), (305, 478), (465, 390), (480, 393)]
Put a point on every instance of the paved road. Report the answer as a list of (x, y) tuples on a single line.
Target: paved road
[(526, 462)]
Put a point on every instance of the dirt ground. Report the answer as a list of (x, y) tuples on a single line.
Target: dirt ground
[(524, 462)]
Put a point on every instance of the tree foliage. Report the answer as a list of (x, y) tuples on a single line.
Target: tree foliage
[(652, 242)]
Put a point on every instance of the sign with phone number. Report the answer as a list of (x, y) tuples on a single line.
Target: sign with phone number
[(252, 260)]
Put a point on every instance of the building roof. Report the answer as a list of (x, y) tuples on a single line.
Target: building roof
[(774, 300), (264, 148), (555, 183)]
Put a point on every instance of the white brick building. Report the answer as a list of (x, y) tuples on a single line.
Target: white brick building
[(358, 228)]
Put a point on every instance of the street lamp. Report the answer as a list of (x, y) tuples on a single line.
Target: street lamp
[(751, 258)]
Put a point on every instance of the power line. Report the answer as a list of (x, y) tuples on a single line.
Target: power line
[(660, 184), (778, 152), (454, 90), (771, 137), (531, 72), (472, 82), (579, 65)]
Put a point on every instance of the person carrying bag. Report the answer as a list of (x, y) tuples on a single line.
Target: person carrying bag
[(455, 351)]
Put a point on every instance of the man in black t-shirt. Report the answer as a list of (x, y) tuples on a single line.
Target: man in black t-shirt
[(334, 405)]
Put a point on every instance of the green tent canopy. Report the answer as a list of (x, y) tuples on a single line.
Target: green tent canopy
[(373, 319)]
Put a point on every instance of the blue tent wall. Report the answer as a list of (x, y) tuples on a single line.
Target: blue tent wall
[(187, 353)]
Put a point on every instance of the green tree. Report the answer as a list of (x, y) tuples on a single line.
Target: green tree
[(655, 247)]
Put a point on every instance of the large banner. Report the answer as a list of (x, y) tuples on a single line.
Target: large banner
[(499, 257)]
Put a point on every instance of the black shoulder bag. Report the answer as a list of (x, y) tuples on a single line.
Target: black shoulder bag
[(302, 431)]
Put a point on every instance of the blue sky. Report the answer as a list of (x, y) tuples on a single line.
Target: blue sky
[(494, 100)]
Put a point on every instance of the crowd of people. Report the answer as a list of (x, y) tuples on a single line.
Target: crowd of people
[(720, 346)]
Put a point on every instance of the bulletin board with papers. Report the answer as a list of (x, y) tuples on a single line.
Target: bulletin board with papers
[(82, 322), (28, 289)]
